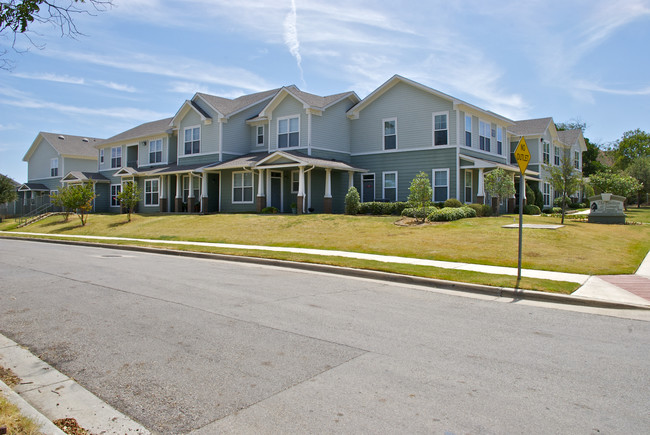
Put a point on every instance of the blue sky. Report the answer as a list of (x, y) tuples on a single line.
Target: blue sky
[(140, 60)]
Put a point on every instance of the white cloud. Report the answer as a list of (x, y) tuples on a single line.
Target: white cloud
[(116, 86), (291, 37), (50, 78)]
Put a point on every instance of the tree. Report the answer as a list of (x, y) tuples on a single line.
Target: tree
[(76, 197), (7, 190), (564, 179), (129, 197), (17, 16), (640, 170), (352, 200), (616, 183), (421, 193), (633, 145), (499, 184)]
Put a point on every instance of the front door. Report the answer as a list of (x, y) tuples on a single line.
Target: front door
[(276, 190), (368, 181)]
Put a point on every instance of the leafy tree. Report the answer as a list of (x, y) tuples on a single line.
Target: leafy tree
[(616, 183), (76, 197), (421, 193), (640, 170), (565, 179), (633, 145), (129, 197), (352, 201), (17, 16), (7, 190), (499, 184)]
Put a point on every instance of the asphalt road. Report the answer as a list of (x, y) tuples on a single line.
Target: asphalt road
[(184, 345)]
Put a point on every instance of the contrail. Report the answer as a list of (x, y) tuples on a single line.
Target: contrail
[(291, 37)]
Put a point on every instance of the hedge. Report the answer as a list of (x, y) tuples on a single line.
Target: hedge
[(451, 214), (382, 208), (416, 212)]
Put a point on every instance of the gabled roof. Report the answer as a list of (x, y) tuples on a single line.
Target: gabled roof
[(84, 177), (288, 158), (354, 111), (143, 130), (33, 187), (66, 145), (187, 106), (227, 107), (570, 137), (530, 127), (309, 101)]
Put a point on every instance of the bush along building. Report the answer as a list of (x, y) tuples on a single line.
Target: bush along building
[(287, 149)]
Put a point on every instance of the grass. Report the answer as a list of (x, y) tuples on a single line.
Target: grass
[(10, 416), (578, 247)]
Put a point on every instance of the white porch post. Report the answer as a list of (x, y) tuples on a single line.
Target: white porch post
[(480, 195), (327, 200), (260, 191), (350, 179), (301, 190), (190, 195), (179, 187), (204, 192)]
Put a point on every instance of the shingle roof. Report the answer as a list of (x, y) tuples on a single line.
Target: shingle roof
[(251, 160), (72, 145), (147, 129), (226, 106), (569, 137), (528, 127), (316, 100), (87, 176)]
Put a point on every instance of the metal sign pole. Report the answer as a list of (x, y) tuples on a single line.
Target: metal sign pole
[(521, 215)]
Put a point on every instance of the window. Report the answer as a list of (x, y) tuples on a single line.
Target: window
[(101, 156), (440, 185), (368, 187), (468, 130), (440, 132), (54, 167), (289, 132), (242, 187), (547, 195), (260, 135), (390, 134), (390, 186), (484, 135), (468, 187), (116, 157), (546, 153), (155, 151), (295, 181), (556, 159), (151, 192), (192, 140), (116, 189), (500, 141), (576, 159), (513, 147), (54, 192)]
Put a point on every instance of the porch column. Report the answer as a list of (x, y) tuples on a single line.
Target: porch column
[(163, 193), (480, 195), (204, 193), (350, 179), (301, 191), (268, 183), (261, 197), (327, 200), (178, 203), (190, 195), (511, 200)]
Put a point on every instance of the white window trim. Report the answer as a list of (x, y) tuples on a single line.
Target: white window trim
[(111, 195), (373, 186), (232, 198), (182, 140), (53, 192), (292, 175), (433, 183), (556, 153), (150, 181), (163, 157), (471, 186), (502, 131), (433, 128), (101, 156), (470, 131), (544, 195), (257, 135), (277, 131), (53, 166), (120, 157), (489, 136), (383, 184), (544, 145), (576, 160), (383, 134)]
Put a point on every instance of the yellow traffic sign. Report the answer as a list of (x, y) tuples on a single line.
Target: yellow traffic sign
[(522, 155)]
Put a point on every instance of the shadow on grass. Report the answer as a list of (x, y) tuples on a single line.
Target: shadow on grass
[(117, 224)]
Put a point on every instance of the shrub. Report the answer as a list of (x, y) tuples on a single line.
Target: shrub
[(530, 195), (453, 202), (556, 210), (382, 208), (482, 210), (557, 202), (352, 201), (539, 198), (417, 212), (451, 214), (270, 210), (532, 209)]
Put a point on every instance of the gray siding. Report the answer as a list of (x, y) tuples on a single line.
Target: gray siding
[(331, 155), (106, 166), (483, 156), (38, 166), (289, 106), (144, 149), (331, 130), (209, 135), (413, 109), (237, 134)]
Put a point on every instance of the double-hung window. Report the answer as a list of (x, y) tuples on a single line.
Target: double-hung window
[(116, 157), (295, 181), (440, 185), (556, 159), (576, 159), (259, 137), (155, 151), (547, 195), (484, 135), (513, 147), (192, 140), (468, 130), (54, 167), (390, 186), (390, 133), (101, 156), (546, 153), (289, 132), (440, 129), (499, 141), (242, 187), (116, 189), (151, 191), (468, 186)]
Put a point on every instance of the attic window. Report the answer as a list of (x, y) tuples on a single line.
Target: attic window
[(85, 139), (61, 137)]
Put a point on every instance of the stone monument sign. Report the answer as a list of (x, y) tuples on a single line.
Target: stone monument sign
[(606, 209)]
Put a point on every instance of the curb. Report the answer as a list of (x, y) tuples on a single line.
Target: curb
[(515, 294), (44, 424)]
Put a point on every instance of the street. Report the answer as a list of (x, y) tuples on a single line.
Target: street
[(191, 345)]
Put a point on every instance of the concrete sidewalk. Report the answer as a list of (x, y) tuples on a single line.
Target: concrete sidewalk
[(592, 287)]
